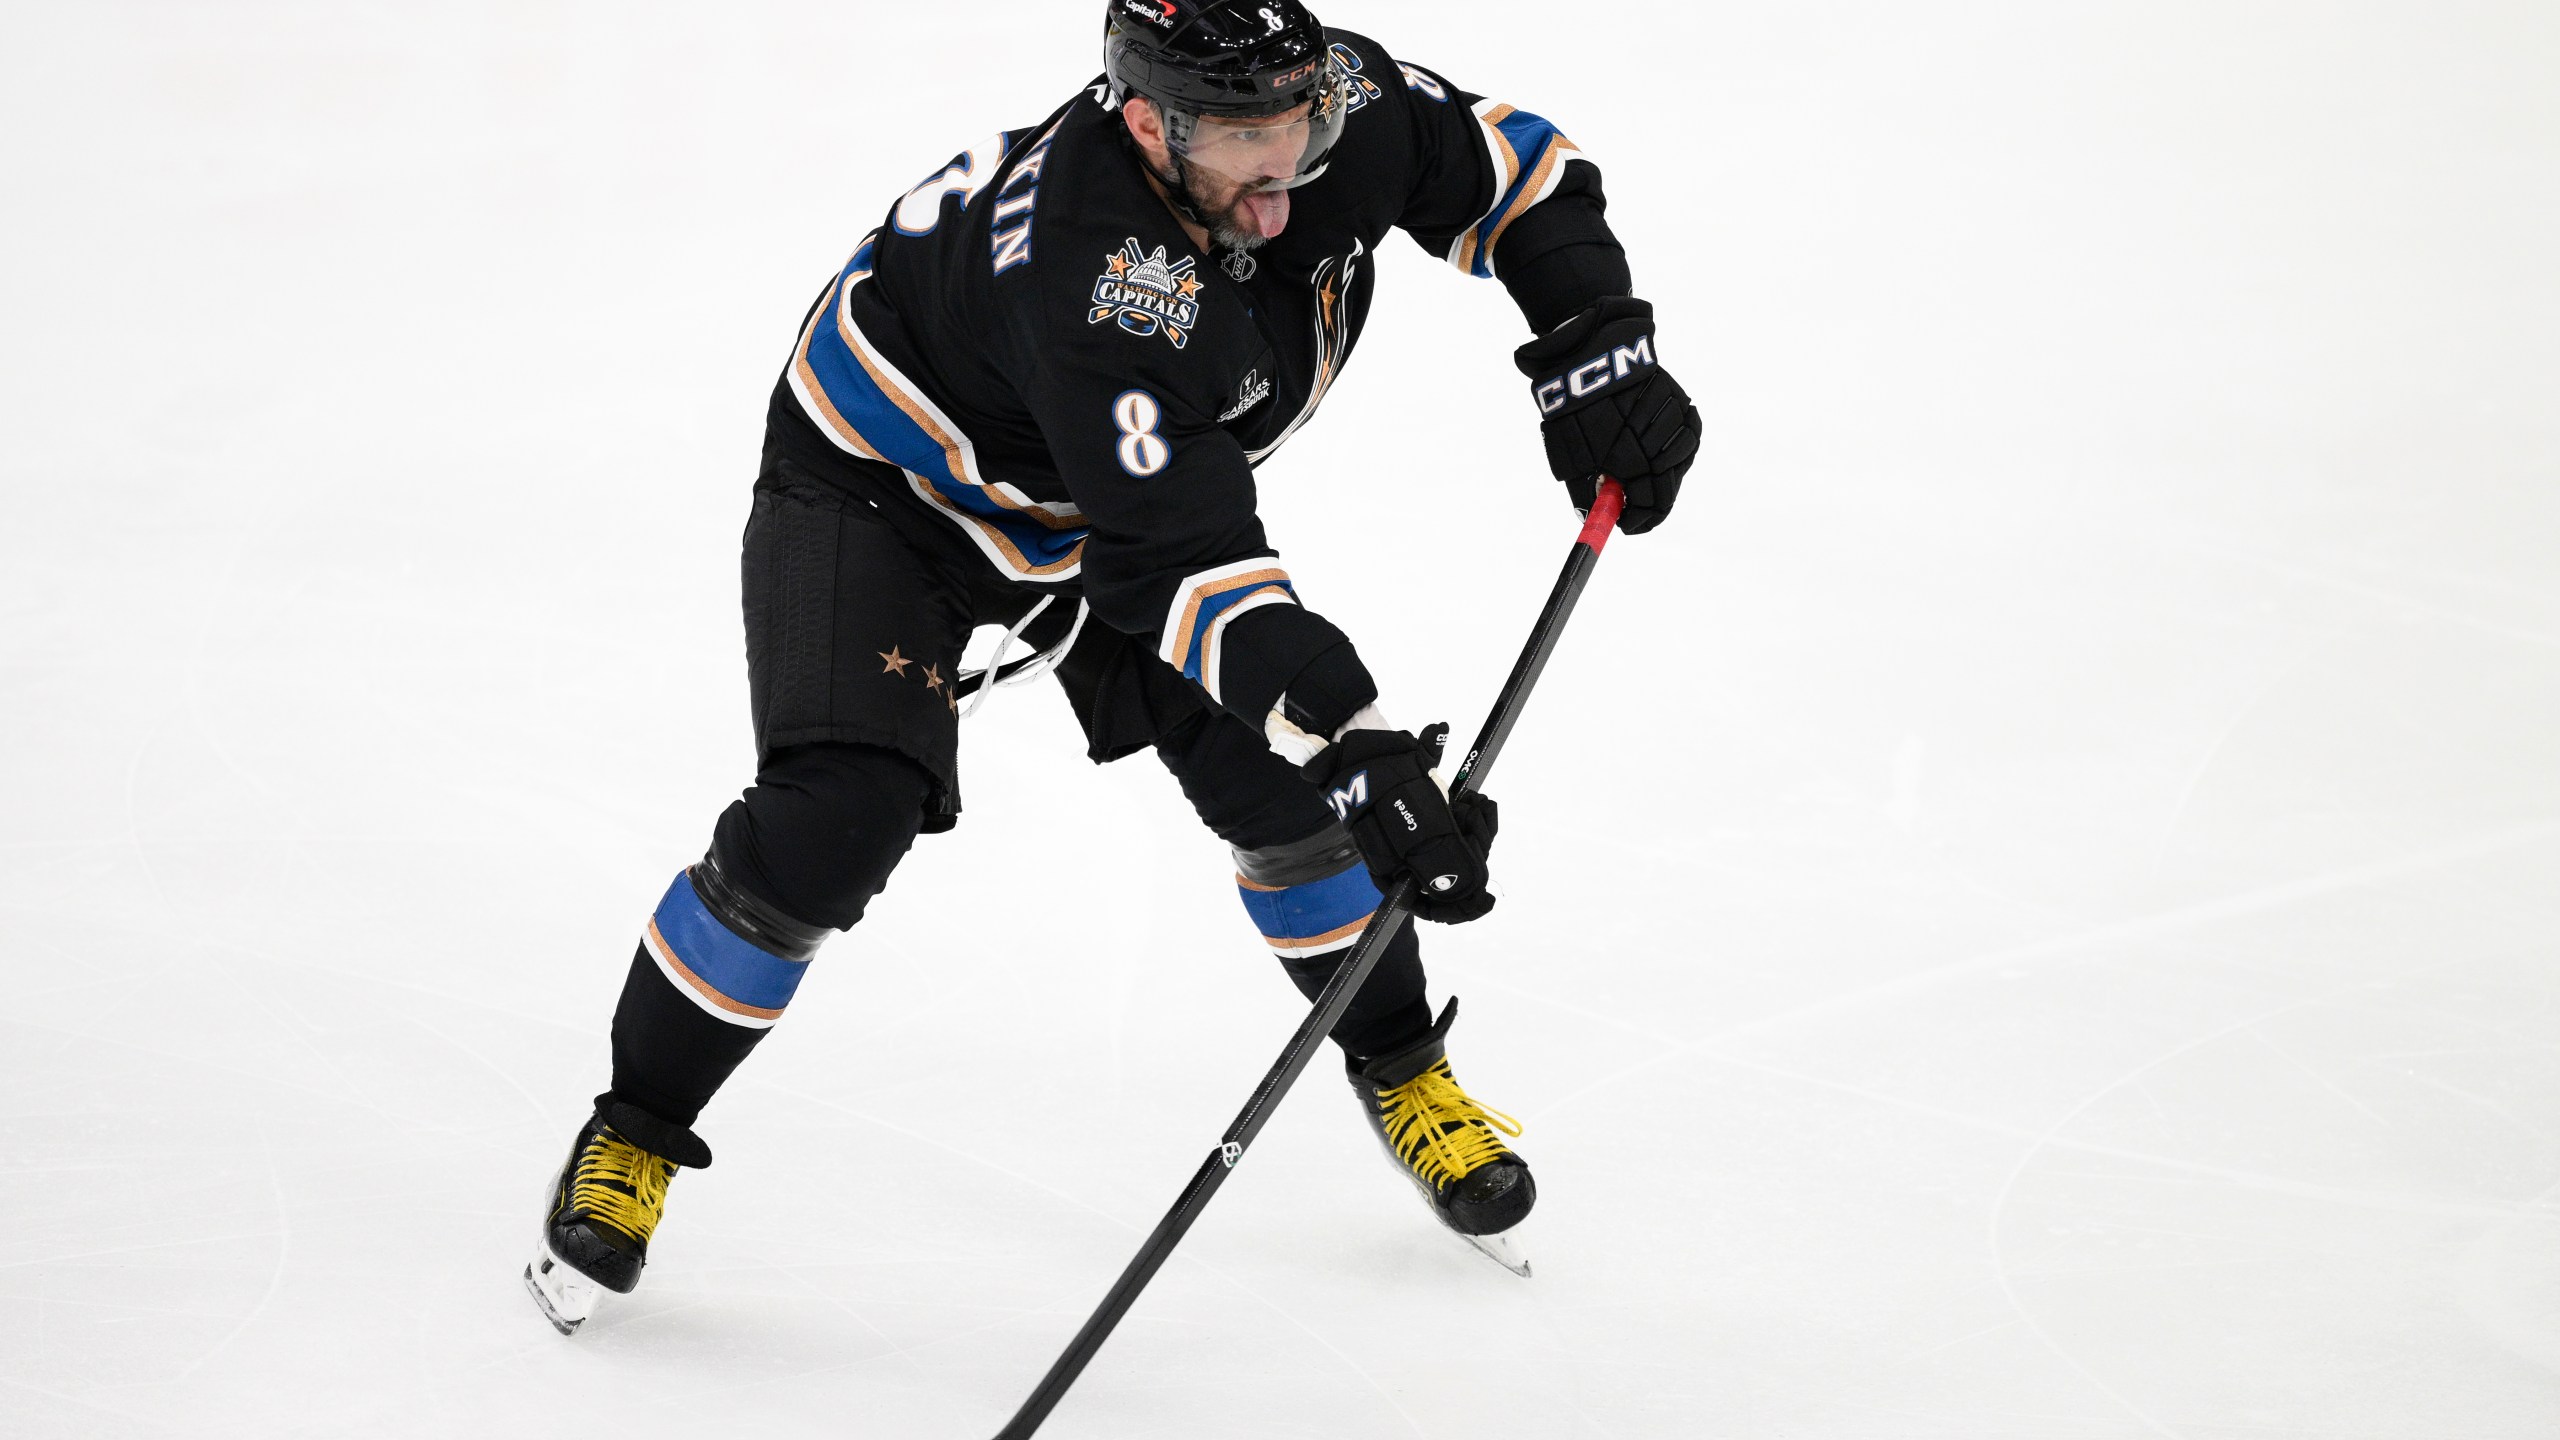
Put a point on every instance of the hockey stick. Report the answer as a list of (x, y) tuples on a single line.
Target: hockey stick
[(1338, 991)]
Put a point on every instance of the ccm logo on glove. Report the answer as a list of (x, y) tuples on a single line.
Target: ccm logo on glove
[(1352, 796), (1594, 376), (1606, 406)]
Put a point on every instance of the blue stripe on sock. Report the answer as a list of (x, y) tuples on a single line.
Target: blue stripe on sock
[(736, 968), (1315, 908)]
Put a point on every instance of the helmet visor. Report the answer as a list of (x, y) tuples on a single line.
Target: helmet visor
[(1272, 152)]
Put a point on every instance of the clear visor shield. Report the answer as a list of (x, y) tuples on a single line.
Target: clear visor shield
[(1277, 152)]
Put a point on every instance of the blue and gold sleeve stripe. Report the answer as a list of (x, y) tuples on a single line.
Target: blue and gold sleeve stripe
[(868, 407), (1206, 603), (1528, 155), (730, 977)]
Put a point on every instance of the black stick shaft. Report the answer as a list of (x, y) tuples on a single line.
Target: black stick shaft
[(1347, 979)]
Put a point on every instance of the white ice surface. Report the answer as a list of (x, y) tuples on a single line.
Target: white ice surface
[(2030, 908)]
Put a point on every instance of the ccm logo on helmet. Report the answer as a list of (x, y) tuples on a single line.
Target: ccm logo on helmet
[(1594, 375)]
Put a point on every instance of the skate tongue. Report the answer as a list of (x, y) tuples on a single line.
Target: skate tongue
[(663, 1138), (1399, 1066)]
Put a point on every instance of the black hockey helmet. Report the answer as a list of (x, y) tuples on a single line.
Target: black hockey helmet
[(1232, 60)]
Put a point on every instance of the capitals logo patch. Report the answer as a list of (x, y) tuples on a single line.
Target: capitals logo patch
[(1146, 294)]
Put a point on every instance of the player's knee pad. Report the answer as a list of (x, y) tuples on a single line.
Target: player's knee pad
[(817, 835), (799, 855)]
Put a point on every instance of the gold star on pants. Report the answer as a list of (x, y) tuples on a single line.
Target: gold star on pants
[(932, 678), (897, 663)]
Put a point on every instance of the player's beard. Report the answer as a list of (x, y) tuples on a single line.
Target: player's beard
[(1234, 221)]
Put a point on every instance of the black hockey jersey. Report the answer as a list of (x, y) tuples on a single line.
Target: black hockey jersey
[(1031, 358)]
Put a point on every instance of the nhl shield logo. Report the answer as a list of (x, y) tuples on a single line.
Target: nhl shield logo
[(1145, 293)]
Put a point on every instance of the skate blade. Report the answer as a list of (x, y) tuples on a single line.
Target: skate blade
[(1504, 1250), (567, 1298)]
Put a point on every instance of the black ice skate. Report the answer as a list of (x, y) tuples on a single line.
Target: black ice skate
[(1448, 1145), (605, 1205)]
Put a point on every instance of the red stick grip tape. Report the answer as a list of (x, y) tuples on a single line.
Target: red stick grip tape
[(1602, 519)]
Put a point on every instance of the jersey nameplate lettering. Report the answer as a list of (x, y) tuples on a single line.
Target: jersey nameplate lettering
[(1145, 293), (1009, 239)]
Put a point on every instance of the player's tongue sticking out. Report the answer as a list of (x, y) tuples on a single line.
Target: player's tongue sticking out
[(1269, 211)]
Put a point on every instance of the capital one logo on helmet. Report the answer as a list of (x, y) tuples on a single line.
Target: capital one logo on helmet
[(1146, 293), (1157, 12)]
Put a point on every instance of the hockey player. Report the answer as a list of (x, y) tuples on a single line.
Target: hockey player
[(1034, 397)]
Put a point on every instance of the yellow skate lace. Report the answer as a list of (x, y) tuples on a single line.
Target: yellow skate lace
[(619, 1184), (1440, 1131)]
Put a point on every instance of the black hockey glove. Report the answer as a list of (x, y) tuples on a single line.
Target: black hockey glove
[(1379, 782), (1611, 409)]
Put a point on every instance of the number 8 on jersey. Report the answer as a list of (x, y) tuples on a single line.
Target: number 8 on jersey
[(1142, 450)]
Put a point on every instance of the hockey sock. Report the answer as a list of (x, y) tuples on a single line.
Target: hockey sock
[(704, 986), (1388, 1013), (1311, 924), (816, 836)]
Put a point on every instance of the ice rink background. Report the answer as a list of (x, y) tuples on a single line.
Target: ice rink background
[(2030, 907)]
